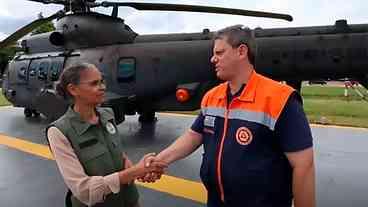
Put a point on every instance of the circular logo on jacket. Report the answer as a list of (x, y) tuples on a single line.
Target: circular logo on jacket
[(244, 136), (110, 128)]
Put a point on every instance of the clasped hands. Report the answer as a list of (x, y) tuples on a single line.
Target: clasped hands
[(151, 168)]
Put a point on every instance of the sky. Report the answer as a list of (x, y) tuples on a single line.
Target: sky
[(17, 13)]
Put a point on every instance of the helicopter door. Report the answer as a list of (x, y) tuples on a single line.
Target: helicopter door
[(34, 75), (46, 101)]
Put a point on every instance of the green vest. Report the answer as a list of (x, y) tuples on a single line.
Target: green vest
[(99, 150)]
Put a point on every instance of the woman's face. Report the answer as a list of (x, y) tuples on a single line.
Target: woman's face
[(91, 88)]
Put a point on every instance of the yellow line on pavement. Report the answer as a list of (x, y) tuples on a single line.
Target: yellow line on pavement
[(179, 187), (25, 146), (168, 184)]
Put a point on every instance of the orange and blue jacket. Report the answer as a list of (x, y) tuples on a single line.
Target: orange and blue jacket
[(243, 163)]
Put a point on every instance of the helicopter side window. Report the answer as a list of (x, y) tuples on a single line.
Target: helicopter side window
[(33, 68), (126, 70), (43, 70), (55, 70)]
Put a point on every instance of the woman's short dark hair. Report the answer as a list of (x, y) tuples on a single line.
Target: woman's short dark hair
[(237, 35), (70, 75)]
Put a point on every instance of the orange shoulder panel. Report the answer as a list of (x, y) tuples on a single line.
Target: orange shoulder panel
[(272, 96), (215, 96)]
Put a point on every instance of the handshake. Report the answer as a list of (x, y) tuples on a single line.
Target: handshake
[(148, 169)]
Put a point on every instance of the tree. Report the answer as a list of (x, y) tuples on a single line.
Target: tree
[(5, 55), (47, 27)]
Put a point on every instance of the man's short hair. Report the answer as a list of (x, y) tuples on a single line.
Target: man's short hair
[(237, 35)]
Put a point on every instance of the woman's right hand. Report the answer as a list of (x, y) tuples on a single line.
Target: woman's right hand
[(155, 169), (155, 166)]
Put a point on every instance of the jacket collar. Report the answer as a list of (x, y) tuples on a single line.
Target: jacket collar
[(249, 92), (80, 125)]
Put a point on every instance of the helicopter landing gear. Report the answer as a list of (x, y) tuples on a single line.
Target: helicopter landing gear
[(296, 84), (29, 112), (119, 115), (36, 113), (147, 117)]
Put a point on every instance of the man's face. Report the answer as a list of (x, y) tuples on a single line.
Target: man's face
[(225, 59)]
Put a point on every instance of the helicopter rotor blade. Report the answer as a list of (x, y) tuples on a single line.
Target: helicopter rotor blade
[(193, 8), (50, 1), (27, 29)]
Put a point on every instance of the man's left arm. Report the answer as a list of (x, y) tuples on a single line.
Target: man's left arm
[(303, 177), (296, 140)]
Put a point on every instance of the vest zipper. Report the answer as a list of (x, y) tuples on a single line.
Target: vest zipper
[(219, 157)]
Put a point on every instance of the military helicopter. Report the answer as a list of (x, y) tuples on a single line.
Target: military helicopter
[(166, 72)]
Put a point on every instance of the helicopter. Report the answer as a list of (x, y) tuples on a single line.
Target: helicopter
[(166, 72)]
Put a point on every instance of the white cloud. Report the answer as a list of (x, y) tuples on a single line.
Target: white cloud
[(2, 36), (304, 12)]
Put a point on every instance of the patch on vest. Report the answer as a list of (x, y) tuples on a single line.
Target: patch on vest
[(110, 128), (244, 136), (209, 121)]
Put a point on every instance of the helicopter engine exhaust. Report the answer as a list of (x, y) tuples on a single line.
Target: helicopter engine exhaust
[(57, 39)]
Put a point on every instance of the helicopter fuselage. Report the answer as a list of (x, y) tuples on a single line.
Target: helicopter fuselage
[(144, 72)]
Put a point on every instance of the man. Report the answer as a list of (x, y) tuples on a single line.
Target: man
[(257, 141)]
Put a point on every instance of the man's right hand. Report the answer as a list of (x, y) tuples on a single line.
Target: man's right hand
[(151, 169), (150, 161)]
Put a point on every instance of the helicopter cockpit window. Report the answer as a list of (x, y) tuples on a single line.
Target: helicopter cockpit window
[(126, 70), (22, 73), (43, 70)]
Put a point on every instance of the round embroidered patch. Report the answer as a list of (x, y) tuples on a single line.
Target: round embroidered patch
[(110, 128), (244, 136)]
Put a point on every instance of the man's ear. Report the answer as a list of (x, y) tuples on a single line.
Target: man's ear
[(243, 51)]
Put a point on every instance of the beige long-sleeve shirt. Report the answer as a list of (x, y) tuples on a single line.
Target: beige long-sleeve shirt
[(88, 189)]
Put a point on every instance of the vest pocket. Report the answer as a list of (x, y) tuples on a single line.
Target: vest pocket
[(96, 160), (93, 151)]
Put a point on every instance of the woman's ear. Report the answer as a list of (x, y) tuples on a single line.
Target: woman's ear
[(72, 89)]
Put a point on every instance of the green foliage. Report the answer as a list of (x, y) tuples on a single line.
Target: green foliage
[(47, 27), (3, 101), (5, 55)]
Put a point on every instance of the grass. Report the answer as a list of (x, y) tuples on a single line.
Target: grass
[(337, 112), (330, 92), (3, 101), (328, 105)]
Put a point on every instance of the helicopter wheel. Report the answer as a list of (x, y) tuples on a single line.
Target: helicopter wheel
[(35, 113), (119, 115), (147, 117), (27, 112)]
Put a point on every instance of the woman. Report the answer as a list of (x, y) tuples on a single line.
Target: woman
[(87, 147)]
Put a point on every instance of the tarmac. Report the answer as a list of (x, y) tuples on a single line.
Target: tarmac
[(29, 175)]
